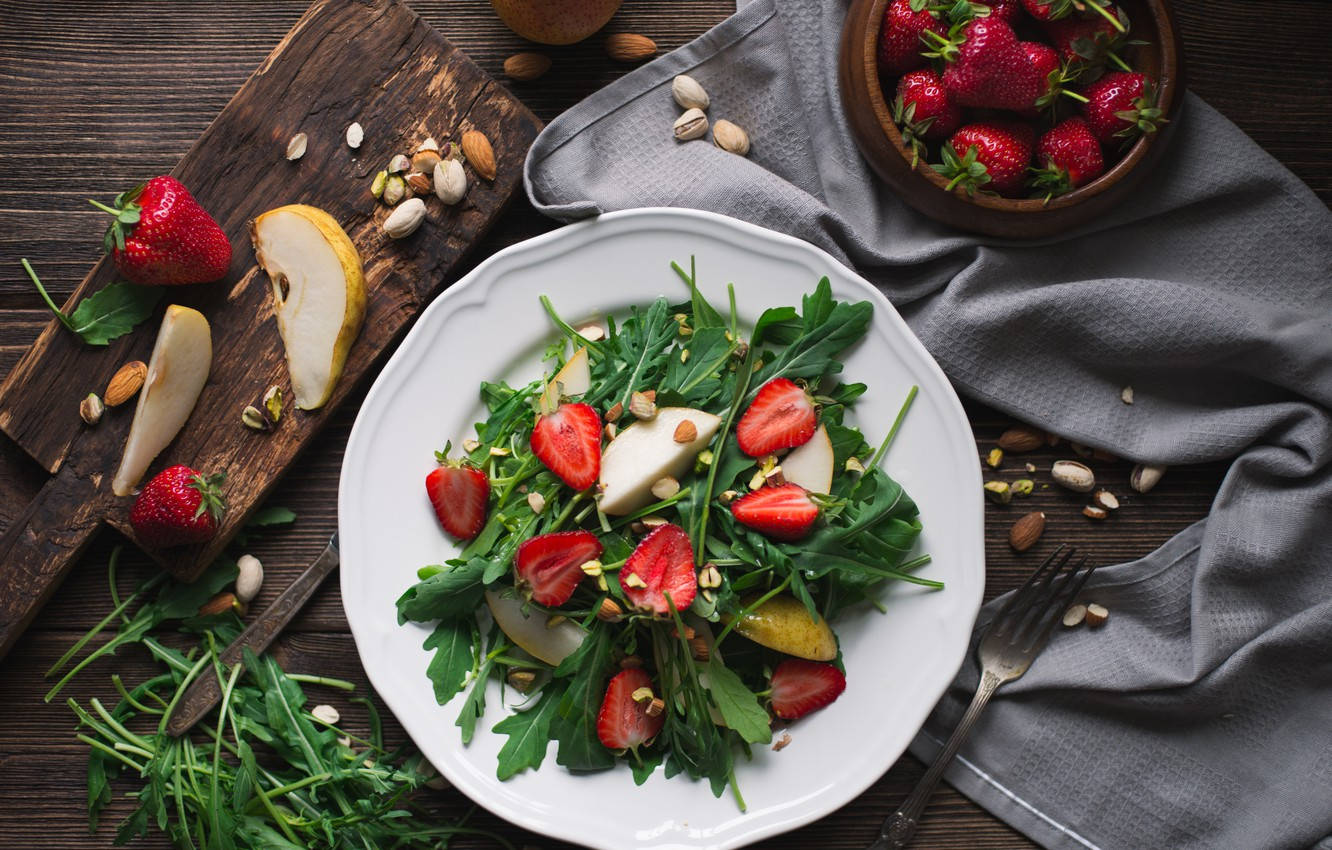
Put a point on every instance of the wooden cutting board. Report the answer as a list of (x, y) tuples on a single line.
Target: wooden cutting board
[(369, 61)]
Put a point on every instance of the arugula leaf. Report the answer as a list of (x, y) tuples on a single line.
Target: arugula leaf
[(828, 328), (267, 517), (738, 705), (453, 645), (529, 734), (452, 593), (705, 315), (575, 724), (107, 314), (780, 325), (697, 379), (646, 761)]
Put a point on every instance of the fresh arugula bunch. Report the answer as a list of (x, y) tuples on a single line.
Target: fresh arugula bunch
[(691, 356), (260, 771)]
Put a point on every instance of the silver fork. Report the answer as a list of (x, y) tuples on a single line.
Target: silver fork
[(1011, 641)]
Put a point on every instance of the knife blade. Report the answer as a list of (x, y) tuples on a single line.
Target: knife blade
[(206, 690)]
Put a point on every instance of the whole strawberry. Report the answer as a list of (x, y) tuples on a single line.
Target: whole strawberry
[(900, 44), (162, 236), (987, 67), (991, 154), (1069, 156), (179, 505), (1092, 42), (1122, 106), (1004, 10), (1054, 10), (1056, 77), (923, 110)]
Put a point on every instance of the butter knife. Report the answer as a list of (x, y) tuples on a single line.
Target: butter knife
[(204, 693)]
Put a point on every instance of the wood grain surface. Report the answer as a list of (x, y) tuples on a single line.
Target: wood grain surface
[(95, 97)]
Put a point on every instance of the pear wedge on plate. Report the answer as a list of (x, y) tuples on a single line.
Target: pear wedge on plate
[(318, 294), (177, 372)]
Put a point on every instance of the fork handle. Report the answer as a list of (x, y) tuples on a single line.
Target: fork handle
[(901, 825)]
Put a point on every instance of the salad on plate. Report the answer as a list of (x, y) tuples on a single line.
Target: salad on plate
[(656, 539)]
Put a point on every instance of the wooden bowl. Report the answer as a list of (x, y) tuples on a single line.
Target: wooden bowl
[(869, 112)]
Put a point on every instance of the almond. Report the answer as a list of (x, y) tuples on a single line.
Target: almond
[(686, 432), (222, 602), (1022, 438), (629, 47), (476, 147), (1097, 614), (125, 383), (526, 67), (1026, 531)]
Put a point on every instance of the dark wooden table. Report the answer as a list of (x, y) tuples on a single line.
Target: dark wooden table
[(97, 96)]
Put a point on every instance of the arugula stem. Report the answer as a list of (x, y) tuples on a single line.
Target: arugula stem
[(111, 751), (592, 345), (41, 290), (892, 432), (742, 377), (340, 684), (568, 509), (97, 629)]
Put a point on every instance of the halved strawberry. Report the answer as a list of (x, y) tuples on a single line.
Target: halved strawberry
[(662, 563), (623, 723), (549, 566), (568, 442), (458, 491), (782, 416), (800, 686), (783, 513)]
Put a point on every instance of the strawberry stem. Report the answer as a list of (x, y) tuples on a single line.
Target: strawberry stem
[(1119, 63), (1105, 13)]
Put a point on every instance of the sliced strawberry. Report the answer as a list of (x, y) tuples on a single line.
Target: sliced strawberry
[(459, 492), (568, 442), (782, 513), (782, 416), (549, 566), (800, 686), (662, 563), (623, 723)]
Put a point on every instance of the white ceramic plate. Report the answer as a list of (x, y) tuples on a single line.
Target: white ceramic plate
[(490, 325)]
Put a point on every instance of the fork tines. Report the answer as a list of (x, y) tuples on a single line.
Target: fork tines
[(1031, 612)]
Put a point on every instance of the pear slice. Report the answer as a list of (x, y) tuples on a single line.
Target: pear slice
[(811, 465), (529, 629), (783, 623), (646, 452), (177, 372), (573, 379), (318, 294)]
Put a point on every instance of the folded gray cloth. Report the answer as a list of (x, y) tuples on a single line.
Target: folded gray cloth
[(1201, 714)]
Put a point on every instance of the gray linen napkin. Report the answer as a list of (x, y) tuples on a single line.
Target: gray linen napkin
[(1201, 715)]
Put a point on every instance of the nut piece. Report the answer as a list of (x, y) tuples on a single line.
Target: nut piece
[(377, 184), (355, 135), (405, 218), (522, 681), (1077, 477), (1145, 476), (688, 93), (629, 47), (666, 487), (91, 409), (1021, 438), (476, 147), (272, 402), (1097, 615), (693, 124), (398, 164), (643, 407), (254, 418), (536, 502), (221, 603), (419, 182), (1105, 499), (728, 496), (450, 181), (610, 611), (730, 138), (395, 189), (428, 145), (998, 492), (591, 333), (994, 458), (1074, 616), (1023, 487), (656, 707), (125, 383), (1126, 395), (615, 412), (685, 432), (698, 647), (1026, 531), (782, 742), (326, 713), (424, 161), (709, 576), (249, 578), (1093, 512), (526, 67), (296, 147)]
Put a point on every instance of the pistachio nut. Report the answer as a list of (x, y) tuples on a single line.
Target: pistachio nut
[(395, 189), (450, 181), (730, 138), (688, 93), (355, 135), (405, 218), (377, 185), (693, 124)]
